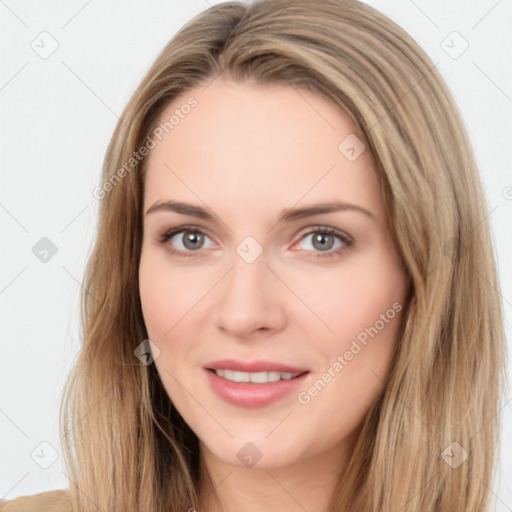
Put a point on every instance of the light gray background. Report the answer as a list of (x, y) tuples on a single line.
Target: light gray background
[(57, 116)]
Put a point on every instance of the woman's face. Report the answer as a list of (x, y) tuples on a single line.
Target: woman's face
[(258, 279)]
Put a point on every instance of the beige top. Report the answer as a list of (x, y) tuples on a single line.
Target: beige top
[(50, 501)]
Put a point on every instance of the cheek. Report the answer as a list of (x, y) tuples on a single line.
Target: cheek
[(156, 299), (362, 306), (167, 294), (366, 318), (356, 297)]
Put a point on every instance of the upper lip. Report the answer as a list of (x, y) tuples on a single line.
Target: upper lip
[(252, 366)]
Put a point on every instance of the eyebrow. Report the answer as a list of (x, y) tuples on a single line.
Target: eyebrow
[(287, 215)]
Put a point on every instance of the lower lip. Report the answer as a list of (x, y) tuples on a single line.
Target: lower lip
[(252, 395)]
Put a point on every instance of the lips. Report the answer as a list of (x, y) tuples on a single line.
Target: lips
[(253, 366), (251, 395)]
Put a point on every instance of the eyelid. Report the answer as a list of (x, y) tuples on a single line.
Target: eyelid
[(327, 229)]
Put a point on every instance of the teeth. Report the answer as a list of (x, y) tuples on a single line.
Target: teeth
[(256, 377)]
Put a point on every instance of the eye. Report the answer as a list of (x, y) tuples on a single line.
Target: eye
[(323, 239), (192, 242)]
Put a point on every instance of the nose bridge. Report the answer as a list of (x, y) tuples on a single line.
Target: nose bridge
[(248, 282), (249, 297), (249, 262)]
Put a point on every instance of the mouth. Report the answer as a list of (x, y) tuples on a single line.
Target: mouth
[(254, 389)]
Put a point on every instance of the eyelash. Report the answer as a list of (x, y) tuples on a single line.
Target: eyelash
[(343, 237)]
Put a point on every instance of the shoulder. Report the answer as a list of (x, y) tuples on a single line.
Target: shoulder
[(50, 501)]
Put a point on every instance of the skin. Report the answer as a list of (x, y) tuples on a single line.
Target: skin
[(248, 152)]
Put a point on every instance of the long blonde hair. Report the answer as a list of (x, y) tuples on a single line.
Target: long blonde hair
[(126, 446)]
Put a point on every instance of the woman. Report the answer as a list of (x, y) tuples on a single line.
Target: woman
[(328, 334)]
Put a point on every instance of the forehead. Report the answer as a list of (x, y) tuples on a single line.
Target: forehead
[(247, 145)]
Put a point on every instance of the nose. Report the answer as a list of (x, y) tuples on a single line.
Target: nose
[(250, 300)]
